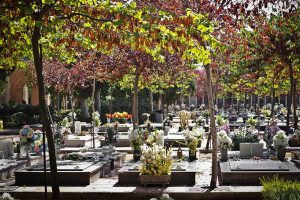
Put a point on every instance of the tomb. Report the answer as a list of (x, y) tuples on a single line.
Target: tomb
[(80, 141), (183, 173), (249, 172), (8, 167), (70, 173)]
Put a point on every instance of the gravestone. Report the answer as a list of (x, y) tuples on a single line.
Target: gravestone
[(248, 150), (77, 127), (257, 165), (70, 173), (7, 147)]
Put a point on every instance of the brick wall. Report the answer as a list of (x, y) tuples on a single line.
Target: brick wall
[(17, 81)]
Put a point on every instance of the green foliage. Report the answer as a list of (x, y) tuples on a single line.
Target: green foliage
[(16, 115), (20, 119), (220, 120), (241, 135), (280, 189)]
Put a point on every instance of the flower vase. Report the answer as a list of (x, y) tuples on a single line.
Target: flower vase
[(281, 153), (192, 155), (24, 151), (137, 154), (224, 154)]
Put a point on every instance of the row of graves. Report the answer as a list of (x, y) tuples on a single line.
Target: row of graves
[(165, 153)]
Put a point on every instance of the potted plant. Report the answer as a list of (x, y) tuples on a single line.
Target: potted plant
[(192, 139), (96, 121), (184, 119), (280, 141), (220, 121), (156, 165), (294, 141), (224, 143), (136, 141), (252, 122)]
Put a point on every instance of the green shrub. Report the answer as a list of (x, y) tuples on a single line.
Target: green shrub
[(280, 189), (19, 119)]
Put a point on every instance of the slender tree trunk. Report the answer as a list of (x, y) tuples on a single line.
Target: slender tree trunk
[(135, 103), (151, 100), (44, 111), (73, 114), (273, 102), (295, 104), (213, 131), (160, 101), (84, 108), (98, 101), (245, 101), (290, 98)]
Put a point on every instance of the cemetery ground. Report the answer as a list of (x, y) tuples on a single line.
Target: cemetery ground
[(108, 187)]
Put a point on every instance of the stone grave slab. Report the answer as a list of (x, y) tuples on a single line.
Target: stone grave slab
[(183, 174), (8, 167), (70, 173), (257, 165), (249, 172), (80, 141)]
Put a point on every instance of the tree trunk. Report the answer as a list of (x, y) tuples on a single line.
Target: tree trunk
[(84, 108), (213, 131), (151, 100), (295, 104), (245, 101), (290, 97), (98, 101), (160, 99), (73, 114), (273, 102), (135, 99), (44, 113)]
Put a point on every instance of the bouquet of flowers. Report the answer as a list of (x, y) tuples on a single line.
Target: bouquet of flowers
[(38, 143), (135, 139), (26, 136), (96, 119), (251, 121), (266, 112), (156, 137), (283, 110), (192, 139), (155, 160), (280, 139), (184, 119), (220, 120), (121, 117), (224, 142)]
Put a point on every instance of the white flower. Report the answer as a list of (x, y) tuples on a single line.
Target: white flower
[(166, 197), (6, 196), (224, 142), (280, 139)]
